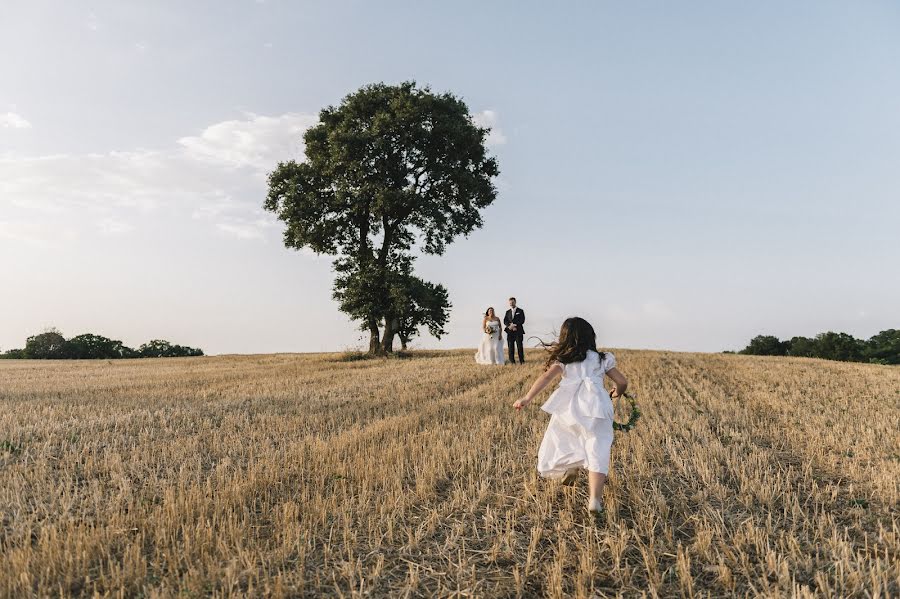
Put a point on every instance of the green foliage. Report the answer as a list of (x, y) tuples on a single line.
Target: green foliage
[(391, 168), (365, 292), (49, 345), (96, 347), (803, 347), (883, 348), (632, 417), (838, 346), (765, 345), (52, 345), (159, 348), (418, 304)]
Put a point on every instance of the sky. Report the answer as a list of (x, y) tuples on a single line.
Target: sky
[(683, 175)]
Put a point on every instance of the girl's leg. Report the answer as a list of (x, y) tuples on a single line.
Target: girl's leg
[(596, 480), (598, 450)]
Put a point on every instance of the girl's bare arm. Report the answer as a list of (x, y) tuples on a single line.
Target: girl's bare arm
[(539, 385), (621, 383)]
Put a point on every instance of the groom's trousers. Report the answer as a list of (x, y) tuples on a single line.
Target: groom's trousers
[(514, 342)]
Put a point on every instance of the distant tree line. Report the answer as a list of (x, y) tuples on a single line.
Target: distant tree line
[(51, 345), (883, 348)]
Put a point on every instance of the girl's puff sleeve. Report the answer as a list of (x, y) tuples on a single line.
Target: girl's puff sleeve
[(609, 362)]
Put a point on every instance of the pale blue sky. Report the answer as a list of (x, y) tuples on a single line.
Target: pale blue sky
[(685, 175)]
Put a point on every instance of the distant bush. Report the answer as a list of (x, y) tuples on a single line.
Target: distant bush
[(96, 347), (159, 348), (51, 345), (765, 345), (883, 348)]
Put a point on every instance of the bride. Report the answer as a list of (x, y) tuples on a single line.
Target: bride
[(491, 349)]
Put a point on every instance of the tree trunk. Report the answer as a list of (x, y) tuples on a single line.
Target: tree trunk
[(391, 325), (374, 341), (403, 341)]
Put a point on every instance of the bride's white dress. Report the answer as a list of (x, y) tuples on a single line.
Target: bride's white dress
[(491, 349)]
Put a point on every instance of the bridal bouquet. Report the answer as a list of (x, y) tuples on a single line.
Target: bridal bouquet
[(488, 329)]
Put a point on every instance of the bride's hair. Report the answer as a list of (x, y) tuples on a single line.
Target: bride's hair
[(576, 337), (488, 311)]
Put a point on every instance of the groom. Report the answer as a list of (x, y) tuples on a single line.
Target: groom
[(515, 333)]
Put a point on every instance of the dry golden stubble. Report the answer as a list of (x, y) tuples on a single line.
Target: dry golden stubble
[(304, 475)]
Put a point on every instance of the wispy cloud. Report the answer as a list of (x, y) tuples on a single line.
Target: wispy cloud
[(257, 142), (489, 119), (12, 120), (215, 177)]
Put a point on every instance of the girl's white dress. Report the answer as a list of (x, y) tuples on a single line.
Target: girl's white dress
[(580, 432), (491, 349)]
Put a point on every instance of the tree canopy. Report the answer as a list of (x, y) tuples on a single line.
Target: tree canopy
[(765, 345), (883, 348), (48, 345), (391, 169), (52, 345)]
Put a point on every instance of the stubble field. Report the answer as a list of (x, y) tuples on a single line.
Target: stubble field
[(309, 475)]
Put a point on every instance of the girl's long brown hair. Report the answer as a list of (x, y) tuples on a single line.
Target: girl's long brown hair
[(576, 337)]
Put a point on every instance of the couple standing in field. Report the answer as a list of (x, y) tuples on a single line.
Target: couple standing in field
[(490, 351)]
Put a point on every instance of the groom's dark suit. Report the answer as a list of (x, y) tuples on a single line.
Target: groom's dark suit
[(515, 338)]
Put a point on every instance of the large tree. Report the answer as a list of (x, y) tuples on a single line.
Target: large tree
[(803, 347), (883, 347), (839, 346), (94, 347), (49, 345), (765, 345), (389, 170)]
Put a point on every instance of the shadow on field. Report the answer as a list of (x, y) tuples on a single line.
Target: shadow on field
[(358, 356)]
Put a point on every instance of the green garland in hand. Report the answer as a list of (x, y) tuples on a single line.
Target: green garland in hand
[(632, 420)]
